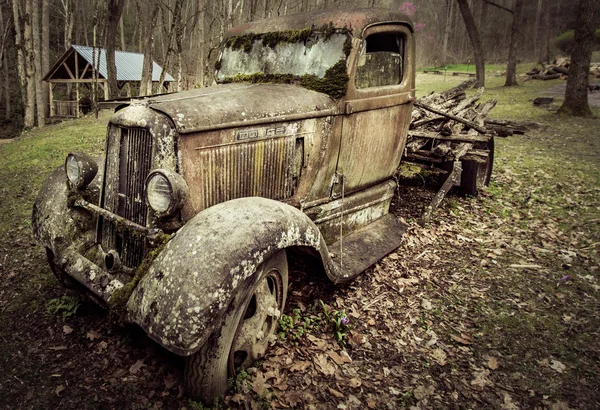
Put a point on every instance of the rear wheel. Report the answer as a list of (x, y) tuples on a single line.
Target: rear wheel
[(243, 335), (475, 174)]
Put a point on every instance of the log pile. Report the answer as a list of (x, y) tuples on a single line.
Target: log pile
[(558, 69), (449, 125), (450, 132)]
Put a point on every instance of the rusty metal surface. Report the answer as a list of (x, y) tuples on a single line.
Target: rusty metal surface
[(380, 238), (372, 145), (292, 161), (356, 20), (234, 105), (344, 215), (192, 282)]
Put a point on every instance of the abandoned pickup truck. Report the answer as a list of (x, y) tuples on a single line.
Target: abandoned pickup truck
[(187, 225)]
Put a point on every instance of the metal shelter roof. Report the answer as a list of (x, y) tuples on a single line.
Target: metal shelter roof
[(129, 65)]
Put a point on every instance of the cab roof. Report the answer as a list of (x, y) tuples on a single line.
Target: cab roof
[(355, 20)]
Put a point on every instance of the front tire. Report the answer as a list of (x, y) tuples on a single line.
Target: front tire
[(243, 335)]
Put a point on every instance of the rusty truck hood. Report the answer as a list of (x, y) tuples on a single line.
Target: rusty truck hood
[(232, 105)]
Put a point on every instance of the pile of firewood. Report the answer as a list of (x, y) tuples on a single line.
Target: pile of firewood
[(452, 117), (558, 69), (451, 132)]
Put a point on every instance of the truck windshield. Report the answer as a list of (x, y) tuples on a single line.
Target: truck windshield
[(314, 56)]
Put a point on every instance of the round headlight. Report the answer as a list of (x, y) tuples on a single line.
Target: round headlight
[(81, 169), (166, 192)]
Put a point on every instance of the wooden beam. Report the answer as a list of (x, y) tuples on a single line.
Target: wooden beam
[(51, 100), (68, 70), (85, 70), (76, 68), (453, 137), (83, 80), (471, 124)]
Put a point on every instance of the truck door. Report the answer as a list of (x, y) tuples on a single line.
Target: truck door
[(378, 107)]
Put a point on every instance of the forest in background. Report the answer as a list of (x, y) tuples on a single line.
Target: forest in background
[(183, 36)]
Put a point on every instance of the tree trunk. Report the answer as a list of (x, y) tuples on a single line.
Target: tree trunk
[(151, 11), (29, 104), (8, 113), (37, 63), (123, 48), (45, 55), (576, 98), (115, 9), (475, 42), (69, 22), (515, 38), (447, 27), (544, 53)]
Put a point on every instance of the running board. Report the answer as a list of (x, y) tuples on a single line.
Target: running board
[(366, 246)]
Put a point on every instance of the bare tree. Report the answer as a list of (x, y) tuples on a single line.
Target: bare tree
[(45, 54), (68, 12), (24, 44), (475, 42), (576, 100), (515, 37), (114, 10), (149, 13), (37, 62)]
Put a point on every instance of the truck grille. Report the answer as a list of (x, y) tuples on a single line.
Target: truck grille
[(129, 158), (263, 168)]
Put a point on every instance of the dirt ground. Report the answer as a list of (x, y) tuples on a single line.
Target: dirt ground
[(493, 304)]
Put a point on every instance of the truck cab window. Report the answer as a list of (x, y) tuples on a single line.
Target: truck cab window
[(380, 62)]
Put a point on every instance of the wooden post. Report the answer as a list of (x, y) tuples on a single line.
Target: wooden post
[(76, 85), (51, 98), (77, 98)]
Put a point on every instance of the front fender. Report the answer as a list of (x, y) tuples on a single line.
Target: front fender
[(192, 282), (57, 225)]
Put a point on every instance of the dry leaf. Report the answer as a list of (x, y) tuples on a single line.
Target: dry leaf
[(92, 334), (59, 389), (481, 379), (135, 368), (557, 366), (67, 330), (492, 363), (439, 356), (355, 382), (336, 393), (425, 304), (372, 404), (300, 366), (323, 365), (460, 340), (319, 343), (102, 346), (258, 384), (339, 359), (170, 381), (422, 392)]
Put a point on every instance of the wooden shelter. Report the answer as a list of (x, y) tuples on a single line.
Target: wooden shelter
[(81, 65)]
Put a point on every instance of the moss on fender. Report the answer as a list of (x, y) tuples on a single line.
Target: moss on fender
[(118, 300)]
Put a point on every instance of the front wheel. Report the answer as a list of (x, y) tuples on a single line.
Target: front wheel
[(243, 335)]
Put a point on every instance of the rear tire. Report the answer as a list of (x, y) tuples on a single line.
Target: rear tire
[(476, 175), (243, 335)]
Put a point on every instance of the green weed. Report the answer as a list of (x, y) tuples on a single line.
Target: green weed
[(66, 306), (339, 322)]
